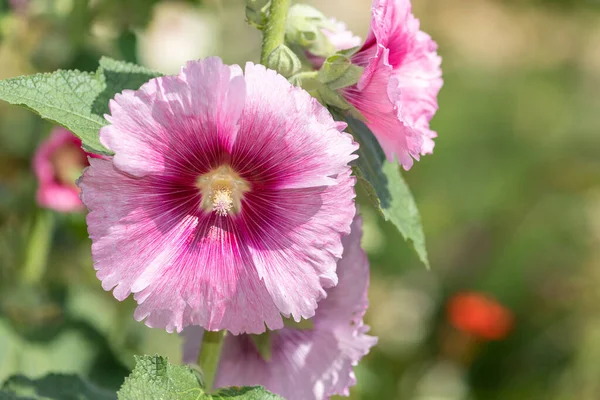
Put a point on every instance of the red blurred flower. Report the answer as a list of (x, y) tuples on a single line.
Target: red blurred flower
[(480, 316)]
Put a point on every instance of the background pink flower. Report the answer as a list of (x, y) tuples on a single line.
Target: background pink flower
[(57, 163), (312, 363), (225, 201), (397, 92)]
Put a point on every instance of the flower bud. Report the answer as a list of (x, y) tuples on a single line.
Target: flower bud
[(304, 28), (284, 61)]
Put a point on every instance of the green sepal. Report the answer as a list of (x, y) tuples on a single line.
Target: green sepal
[(338, 72), (284, 61), (263, 344)]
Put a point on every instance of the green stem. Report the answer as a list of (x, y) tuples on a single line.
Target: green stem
[(208, 359), (274, 31), (38, 248)]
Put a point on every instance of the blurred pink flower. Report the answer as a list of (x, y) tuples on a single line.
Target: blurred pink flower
[(397, 92), (340, 37), (19, 5), (57, 163), (311, 363), (225, 202)]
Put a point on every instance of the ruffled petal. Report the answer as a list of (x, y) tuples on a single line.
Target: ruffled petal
[(289, 135), (292, 221), (377, 97), (308, 364), (401, 81), (192, 116)]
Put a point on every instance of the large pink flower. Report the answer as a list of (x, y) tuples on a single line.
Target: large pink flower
[(225, 202), (397, 92), (312, 363), (57, 163)]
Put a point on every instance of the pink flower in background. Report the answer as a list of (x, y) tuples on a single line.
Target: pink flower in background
[(311, 363), (397, 92), (57, 163), (225, 202), (340, 37), (19, 6)]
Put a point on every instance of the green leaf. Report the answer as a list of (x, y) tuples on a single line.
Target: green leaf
[(63, 97), (244, 393), (154, 378), (386, 187), (53, 387), (76, 100)]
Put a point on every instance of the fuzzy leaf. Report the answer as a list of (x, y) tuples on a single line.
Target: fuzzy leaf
[(386, 187), (53, 387), (154, 378), (76, 100), (63, 97)]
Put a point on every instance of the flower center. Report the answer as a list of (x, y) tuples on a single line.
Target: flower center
[(222, 190)]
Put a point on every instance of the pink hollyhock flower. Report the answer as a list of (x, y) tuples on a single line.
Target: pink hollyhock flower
[(225, 201), (57, 163), (305, 363), (397, 92)]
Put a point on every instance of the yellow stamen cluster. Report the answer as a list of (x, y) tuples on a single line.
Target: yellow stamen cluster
[(222, 191)]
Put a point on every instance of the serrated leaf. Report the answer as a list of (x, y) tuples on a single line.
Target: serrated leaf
[(76, 100), (53, 387), (63, 97), (386, 187), (154, 378)]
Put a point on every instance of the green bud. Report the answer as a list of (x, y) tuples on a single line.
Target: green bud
[(304, 28), (284, 61), (257, 12)]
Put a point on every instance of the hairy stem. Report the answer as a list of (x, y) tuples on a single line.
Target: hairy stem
[(274, 31), (208, 359)]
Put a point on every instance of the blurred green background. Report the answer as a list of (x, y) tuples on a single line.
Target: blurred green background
[(510, 200)]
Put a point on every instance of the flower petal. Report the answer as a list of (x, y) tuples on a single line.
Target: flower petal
[(378, 97), (309, 364), (282, 225), (286, 132), (185, 267), (195, 113)]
